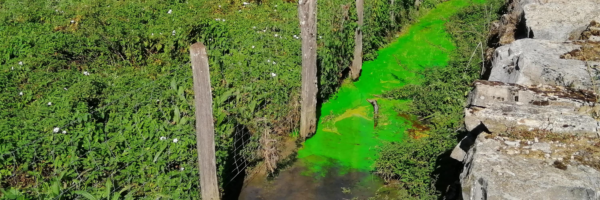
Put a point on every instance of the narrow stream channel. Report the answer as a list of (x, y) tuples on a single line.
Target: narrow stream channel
[(337, 162)]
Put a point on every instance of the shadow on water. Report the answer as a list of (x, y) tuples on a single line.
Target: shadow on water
[(337, 183)]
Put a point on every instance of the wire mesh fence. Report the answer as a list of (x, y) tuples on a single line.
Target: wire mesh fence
[(254, 115)]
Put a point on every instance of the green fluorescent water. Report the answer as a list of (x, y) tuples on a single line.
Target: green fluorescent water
[(346, 136)]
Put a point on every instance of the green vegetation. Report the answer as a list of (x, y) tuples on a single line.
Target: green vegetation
[(347, 136), (438, 101), (113, 75)]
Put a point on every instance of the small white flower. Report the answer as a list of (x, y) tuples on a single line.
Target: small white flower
[(64, 132), (86, 73), (49, 103), (273, 74), (173, 32), (275, 10), (20, 93), (274, 62), (20, 62), (182, 169), (175, 140), (253, 47), (12, 68), (65, 88), (219, 6), (56, 129), (163, 138), (170, 11), (276, 35), (223, 20), (160, 33), (152, 34), (295, 36), (275, 6), (56, 10), (72, 21), (218, 19), (239, 10), (254, 27), (269, 60), (246, 3)]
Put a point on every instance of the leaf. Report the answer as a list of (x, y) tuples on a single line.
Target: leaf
[(108, 187), (126, 188), (220, 117), (176, 113), (86, 195), (253, 105), (55, 188), (129, 195), (163, 147), (181, 94), (225, 96), (116, 196), (183, 121), (173, 84)]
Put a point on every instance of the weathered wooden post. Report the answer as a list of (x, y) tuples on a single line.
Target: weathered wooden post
[(392, 17), (307, 14), (358, 44), (205, 132)]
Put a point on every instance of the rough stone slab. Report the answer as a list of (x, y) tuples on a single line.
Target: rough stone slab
[(487, 93), (501, 107), (558, 20), (533, 62), (493, 174), (538, 86)]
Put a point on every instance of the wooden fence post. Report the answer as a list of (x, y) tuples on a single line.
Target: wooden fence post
[(205, 132), (307, 14), (358, 43), (392, 17)]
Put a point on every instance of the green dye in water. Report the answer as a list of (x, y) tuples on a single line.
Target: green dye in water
[(346, 136)]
